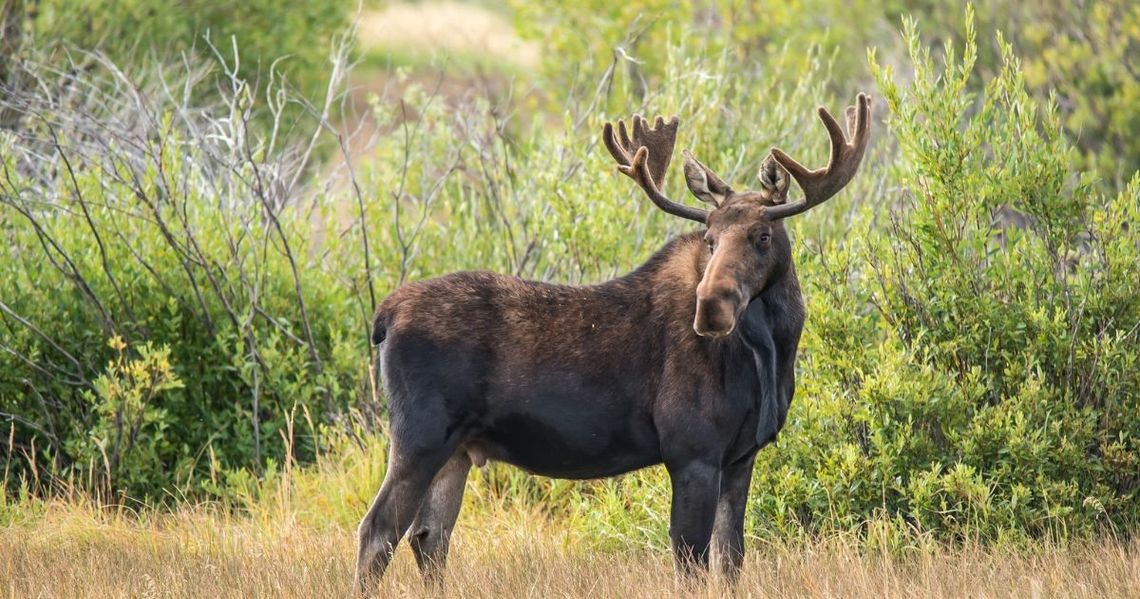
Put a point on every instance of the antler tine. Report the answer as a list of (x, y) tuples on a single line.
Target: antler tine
[(645, 158), (617, 151), (821, 184)]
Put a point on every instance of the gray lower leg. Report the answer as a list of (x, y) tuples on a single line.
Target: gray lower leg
[(728, 532), (696, 487), (430, 534), (392, 512)]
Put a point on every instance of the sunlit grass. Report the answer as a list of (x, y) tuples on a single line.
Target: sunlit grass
[(416, 60), (293, 534), (70, 549)]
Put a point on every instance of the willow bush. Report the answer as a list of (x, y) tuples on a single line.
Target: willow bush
[(970, 364), (293, 39), (969, 361), (1074, 55), (177, 231)]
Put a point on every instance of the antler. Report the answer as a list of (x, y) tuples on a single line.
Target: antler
[(645, 157), (820, 184)]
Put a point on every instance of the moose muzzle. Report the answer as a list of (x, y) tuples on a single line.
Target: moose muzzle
[(717, 308)]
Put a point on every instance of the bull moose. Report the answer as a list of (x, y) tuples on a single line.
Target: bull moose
[(688, 361)]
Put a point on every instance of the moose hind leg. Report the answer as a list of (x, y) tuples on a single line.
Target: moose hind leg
[(430, 534), (405, 485)]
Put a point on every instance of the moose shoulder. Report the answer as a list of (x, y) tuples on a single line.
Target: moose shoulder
[(688, 361)]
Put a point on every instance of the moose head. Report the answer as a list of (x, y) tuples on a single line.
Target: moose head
[(748, 245)]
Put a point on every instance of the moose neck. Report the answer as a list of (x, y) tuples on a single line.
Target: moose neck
[(670, 277), (744, 364)]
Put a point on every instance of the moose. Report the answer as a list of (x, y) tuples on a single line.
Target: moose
[(688, 361)]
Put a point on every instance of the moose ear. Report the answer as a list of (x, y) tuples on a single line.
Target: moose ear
[(774, 180), (704, 183)]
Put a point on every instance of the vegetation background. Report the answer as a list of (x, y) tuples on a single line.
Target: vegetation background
[(202, 202)]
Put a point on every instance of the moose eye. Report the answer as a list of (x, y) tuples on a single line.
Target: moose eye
[(765, 237)]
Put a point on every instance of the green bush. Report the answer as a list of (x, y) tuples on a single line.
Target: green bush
[(133, 216), (1076, 56), (969, 361), (968, 369), (971, 349), (128, 424), (293, 39)]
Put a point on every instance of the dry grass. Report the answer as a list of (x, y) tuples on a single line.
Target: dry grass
[(70, 550)]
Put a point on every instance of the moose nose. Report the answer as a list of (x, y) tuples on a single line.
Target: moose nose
[(716, 310)]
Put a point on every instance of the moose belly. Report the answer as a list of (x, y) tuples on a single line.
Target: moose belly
[(565, 437)]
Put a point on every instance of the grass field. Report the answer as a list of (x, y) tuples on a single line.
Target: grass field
[(67, 550)]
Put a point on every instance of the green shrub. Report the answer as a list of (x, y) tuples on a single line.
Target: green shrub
[(293, 39), (133, 216), (968, 366), (128, 424), (969, 361), (970, 350), (1076, 56)]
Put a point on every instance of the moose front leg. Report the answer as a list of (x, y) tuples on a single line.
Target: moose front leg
[(696, 488), (728, 533)]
